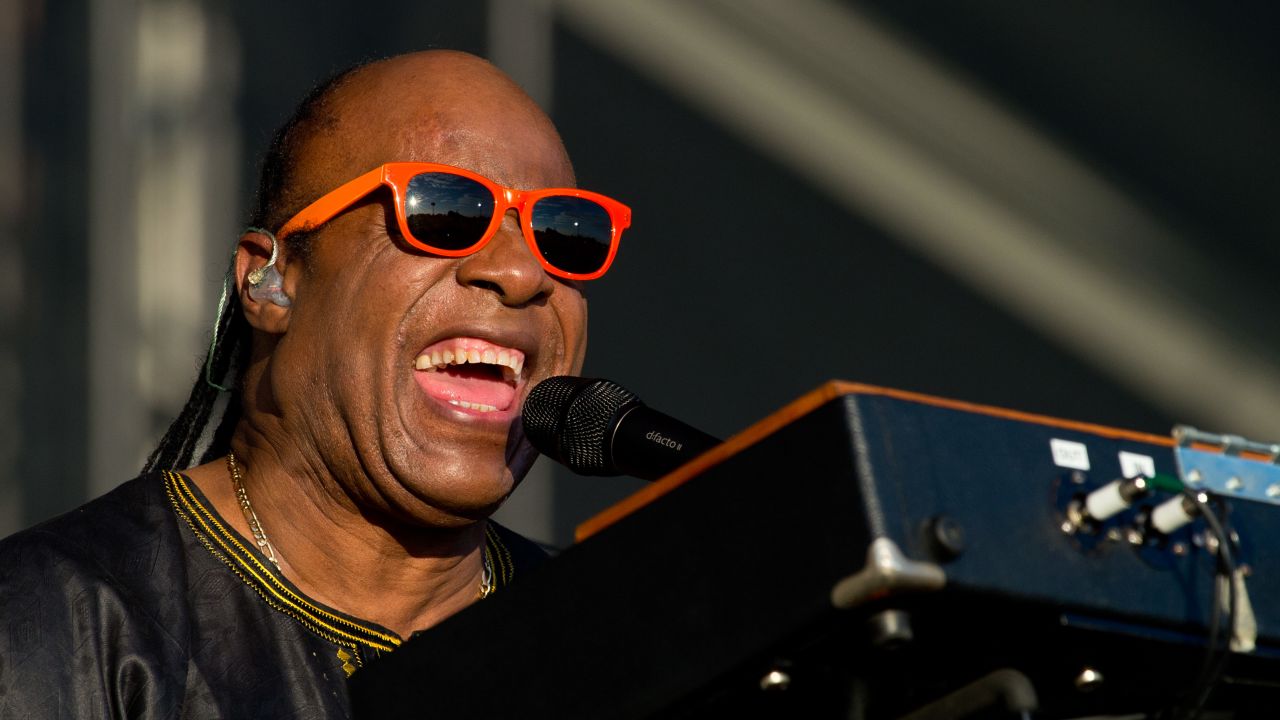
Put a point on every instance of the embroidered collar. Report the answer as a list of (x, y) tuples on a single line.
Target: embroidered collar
[(358, 638)]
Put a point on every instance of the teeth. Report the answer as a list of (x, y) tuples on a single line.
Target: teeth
[(473, 406), (511, 362)]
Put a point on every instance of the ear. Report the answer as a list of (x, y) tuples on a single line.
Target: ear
[(254, 253)]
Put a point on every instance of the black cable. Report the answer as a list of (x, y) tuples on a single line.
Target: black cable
[(1217, 652), (178, 445)]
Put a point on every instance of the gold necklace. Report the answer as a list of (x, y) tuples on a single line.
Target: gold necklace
[(260, 536), (251, 517), (486, 574)]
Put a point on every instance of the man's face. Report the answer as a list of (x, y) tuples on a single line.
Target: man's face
[(425, 444)]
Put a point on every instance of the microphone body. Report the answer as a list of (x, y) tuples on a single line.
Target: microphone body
[(597, 427), (648, 444)]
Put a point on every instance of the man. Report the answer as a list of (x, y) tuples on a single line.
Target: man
[(399, 294)]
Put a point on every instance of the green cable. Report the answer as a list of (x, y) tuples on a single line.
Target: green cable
[(1168, 483), (217, 320)]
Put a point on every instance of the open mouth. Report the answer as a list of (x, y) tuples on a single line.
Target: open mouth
[(470, 374)]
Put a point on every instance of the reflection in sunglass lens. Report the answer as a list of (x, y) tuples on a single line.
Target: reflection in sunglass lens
[(572, 233), (447, 211)]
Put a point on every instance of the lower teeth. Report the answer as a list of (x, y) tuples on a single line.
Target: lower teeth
[(473, 406)]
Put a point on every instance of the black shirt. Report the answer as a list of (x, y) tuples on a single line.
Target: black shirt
[(145, 604)]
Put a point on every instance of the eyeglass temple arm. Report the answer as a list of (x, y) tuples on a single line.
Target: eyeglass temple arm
[(331, 203)]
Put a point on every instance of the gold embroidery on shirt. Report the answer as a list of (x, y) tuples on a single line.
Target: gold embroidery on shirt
[(219, 541), (346, 658), (340, 631)]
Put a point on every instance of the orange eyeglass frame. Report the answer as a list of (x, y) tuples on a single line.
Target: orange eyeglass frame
[(396, 175)]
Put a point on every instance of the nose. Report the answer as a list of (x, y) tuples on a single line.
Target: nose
[(507, 267)]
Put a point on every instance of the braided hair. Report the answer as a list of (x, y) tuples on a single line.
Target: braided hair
[(229, 351)]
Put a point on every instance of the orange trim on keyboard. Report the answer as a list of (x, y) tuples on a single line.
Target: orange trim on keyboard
[(806, 404)]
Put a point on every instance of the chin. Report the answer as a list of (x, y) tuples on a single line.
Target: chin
[(461, 495)]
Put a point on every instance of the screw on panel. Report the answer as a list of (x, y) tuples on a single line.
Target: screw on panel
[(890, 628), (1179, 548), (1113, 534), (946, 537), (775, 681), (1076, 513), (1134, 536), (1235, 484), (1194, 476), (1273, 491), (1088, 680), (1078, 477)]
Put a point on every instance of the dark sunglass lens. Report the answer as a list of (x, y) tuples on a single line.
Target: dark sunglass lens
[(572, 233), (447, 211)]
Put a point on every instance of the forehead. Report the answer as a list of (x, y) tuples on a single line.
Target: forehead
[(458, 112), (516, 154)]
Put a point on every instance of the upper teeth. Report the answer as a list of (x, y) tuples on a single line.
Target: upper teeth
[(514, 362)]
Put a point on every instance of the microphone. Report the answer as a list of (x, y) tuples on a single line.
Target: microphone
[(597, 427)]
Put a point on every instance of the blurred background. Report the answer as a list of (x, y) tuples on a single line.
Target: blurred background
[(1064, 208)]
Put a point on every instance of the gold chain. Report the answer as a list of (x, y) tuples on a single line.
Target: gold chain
[(487, 585), (251, 517), (486, 573)]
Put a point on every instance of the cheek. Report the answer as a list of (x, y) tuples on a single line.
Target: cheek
[(337, 336), (574, 324)]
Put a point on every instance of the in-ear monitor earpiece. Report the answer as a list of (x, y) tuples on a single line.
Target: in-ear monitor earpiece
[(265, 283)]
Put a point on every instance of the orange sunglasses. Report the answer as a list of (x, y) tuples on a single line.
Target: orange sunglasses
[(453, 212)]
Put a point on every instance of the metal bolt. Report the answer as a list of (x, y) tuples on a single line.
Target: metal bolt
[(947, 537), (1077, 477), (1194, 476), (1088, 680), (890, 628), (1235, 484), (1113, 534), (1179, 548), (1273, 491), (1076, 513), (1211, 544), (1068, 527), (775, 681), (1134, 536)]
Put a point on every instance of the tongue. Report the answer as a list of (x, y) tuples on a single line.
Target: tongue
[(465, 384)]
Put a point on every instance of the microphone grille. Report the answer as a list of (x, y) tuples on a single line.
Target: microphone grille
[(543, 412), (571, 419), (588, 427)]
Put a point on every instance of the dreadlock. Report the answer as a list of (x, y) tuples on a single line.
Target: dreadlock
[(276, 200)]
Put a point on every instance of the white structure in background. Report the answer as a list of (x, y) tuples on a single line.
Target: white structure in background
[(163, 185), (12, 185)]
